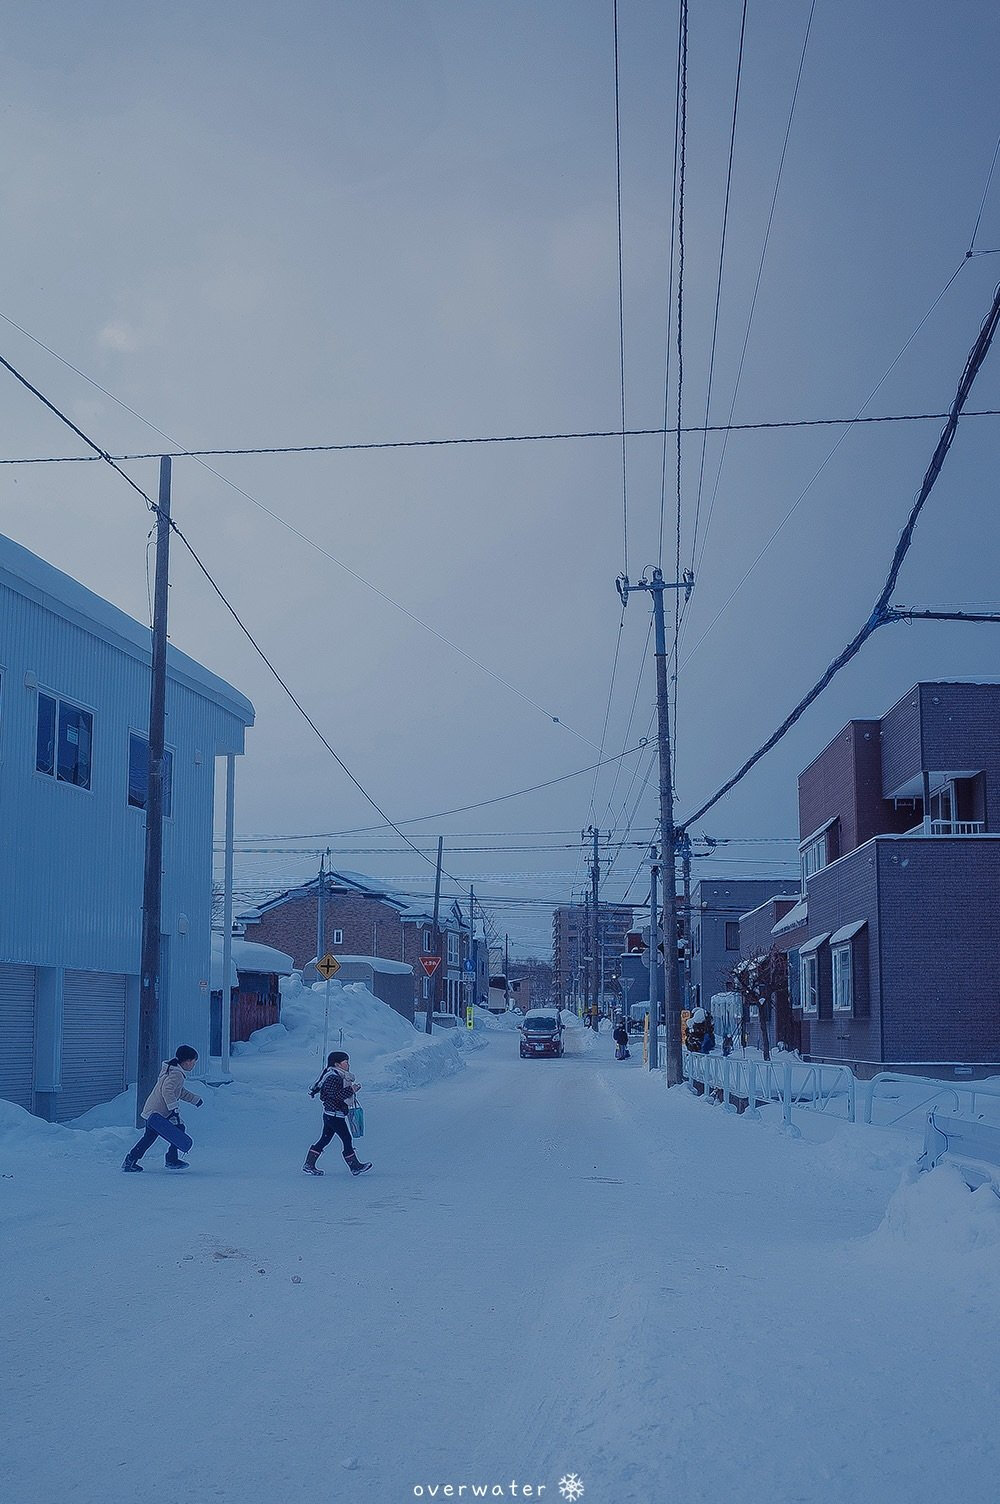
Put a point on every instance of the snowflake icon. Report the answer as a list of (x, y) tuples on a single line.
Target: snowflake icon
[(570, 1487)]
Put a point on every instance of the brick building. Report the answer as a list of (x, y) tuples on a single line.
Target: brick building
[(361, 917), (895, 945)]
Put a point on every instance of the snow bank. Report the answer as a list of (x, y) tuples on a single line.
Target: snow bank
[(387, 1052), (935, 1214)]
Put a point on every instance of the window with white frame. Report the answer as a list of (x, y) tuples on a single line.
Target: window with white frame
[(428, 942), (427, 988), (138, 774), (337, 938), (452, 948), (812, 858), (64, 741), (843, 979), (809, 983)]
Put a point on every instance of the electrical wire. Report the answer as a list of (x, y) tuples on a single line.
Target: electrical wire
[(819, 470), (760, 273), (881, 611), (621, 290), (718, 284), (982, 206)]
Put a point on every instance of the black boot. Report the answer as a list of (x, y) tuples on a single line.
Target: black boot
[(354, 1164), (310, 1167), (129, 1165)]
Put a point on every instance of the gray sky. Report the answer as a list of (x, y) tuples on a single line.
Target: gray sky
[(362, 221)]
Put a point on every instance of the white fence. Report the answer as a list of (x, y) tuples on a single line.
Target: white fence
[(747, 1083)]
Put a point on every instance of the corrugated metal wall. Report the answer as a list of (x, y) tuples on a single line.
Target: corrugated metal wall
[(71, 859)]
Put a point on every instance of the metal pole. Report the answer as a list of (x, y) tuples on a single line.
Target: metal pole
[(595, 880), (152, 882), (506, 972), (432, 999), (688, 929), (654, 968), (320, 948), (227, 913), (473, 951), (667, 843)]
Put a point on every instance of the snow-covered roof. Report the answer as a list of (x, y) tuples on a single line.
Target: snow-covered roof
[(847, 932), (377, 963), (792, 919), (777, 898), (813, 943), (59, 593), (247, 955)]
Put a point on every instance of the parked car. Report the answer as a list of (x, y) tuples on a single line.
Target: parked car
[(541, 1033), (637, 1017)]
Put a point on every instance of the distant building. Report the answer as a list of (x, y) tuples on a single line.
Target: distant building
[(74, 720), (716, 907), (572, 949)]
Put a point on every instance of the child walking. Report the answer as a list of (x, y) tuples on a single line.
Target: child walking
[(336, 1089), (168, 1091)]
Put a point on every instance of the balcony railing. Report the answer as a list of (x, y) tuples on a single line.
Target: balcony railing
[(951, 828)]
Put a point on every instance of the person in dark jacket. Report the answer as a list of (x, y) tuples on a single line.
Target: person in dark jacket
[(620, 1037), (337, 1090), (708, 1038)]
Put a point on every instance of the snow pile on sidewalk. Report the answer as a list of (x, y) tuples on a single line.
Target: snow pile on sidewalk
[(934, 1214)]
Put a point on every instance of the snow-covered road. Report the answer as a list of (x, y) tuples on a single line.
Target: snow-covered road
[(554, 1268)]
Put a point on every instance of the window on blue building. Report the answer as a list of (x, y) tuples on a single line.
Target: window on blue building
[(138, 774), (64, 739)]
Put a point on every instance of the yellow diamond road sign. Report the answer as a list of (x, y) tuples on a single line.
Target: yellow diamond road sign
[(328, 966)]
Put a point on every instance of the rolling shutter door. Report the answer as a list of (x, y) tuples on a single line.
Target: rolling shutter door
[(93, 1044), (17, 1034)]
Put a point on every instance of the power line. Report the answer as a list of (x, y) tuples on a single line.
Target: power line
[(771, 425), (718, 285), (821, 467), (982, 206), (760, 273), (881, 612), (621, 290), (229, 607)]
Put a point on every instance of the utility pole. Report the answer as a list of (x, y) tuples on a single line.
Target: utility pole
[(432, 1000), (506, 971), (654, 967), (595, 882), (152, 880), (668, 838)]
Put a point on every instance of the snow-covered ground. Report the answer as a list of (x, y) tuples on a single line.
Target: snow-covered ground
[(555, 1268)]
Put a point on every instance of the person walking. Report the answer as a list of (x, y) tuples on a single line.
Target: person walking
[(163, 1099), (337, 1090), (620, 1037)]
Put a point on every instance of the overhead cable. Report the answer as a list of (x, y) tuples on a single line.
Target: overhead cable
[(881, 612)]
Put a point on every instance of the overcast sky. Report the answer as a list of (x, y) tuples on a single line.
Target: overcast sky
[(358, 221)]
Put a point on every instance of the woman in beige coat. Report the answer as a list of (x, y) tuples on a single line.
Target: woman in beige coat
[(163, 1099)]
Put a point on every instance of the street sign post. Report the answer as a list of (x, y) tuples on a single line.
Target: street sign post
[(469, 1016), (430, 964), (327, 966)]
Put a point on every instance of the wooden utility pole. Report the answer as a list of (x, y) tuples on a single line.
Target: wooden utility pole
[(152, 880)]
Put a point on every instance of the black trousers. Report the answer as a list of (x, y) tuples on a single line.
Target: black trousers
[(331, 1126), (149, 1139)]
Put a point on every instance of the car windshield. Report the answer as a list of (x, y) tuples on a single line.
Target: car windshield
[(541, 1023)]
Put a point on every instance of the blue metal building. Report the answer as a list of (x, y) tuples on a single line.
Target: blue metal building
[(74, 713)]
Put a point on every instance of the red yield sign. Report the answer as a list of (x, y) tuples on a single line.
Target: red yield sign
[(430, 964)]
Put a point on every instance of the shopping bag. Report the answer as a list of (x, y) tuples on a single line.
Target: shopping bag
[(356, 1121)]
